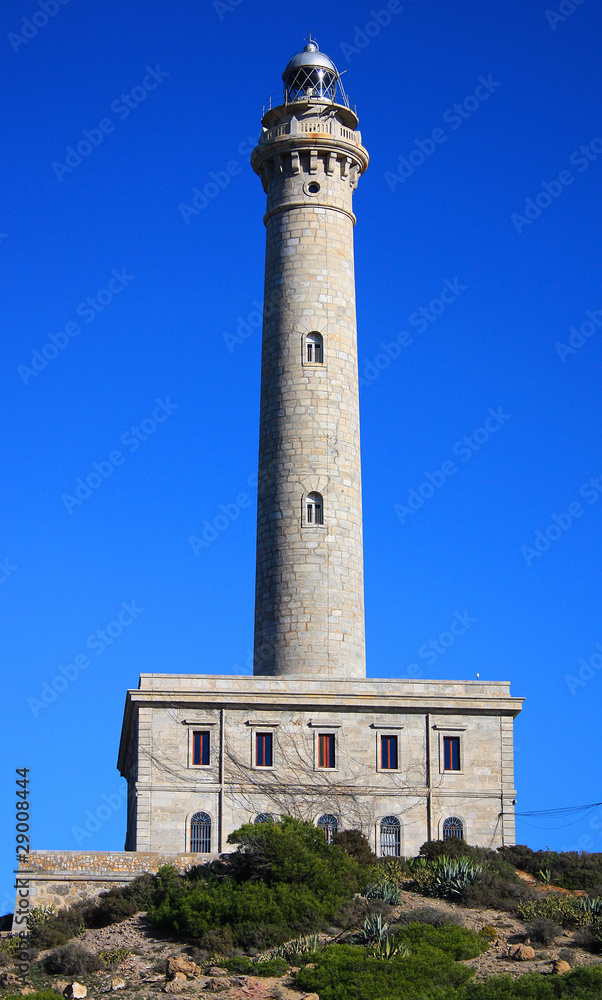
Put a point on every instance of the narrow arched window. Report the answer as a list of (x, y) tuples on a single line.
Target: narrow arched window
[(328, 823), (314, 348), (453, 827), (263, 818), (390, 837), (314, 508), (200, 833)]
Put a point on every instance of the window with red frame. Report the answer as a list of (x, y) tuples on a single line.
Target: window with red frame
[(451, 753), (263, 749), (200, 748), (326, 750), (388, 753)]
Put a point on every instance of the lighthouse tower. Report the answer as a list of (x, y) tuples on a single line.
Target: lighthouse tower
[(309, 599)]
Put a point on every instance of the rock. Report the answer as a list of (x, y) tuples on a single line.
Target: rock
[(27, 991), (560, 968), (117, 983), (521, 953), (216, 970), (177, 963), (75, 990), (311, 996), (60, 985), (177, 984)]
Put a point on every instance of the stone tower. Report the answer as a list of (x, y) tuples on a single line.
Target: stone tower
[(309, 598)]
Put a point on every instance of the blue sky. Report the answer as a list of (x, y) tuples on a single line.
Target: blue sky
[(486, 163)]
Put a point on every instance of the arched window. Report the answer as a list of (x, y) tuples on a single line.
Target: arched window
[(200, 833), (453, 827), (314, 348), (329, 824), (314, 508), (390, 837), (263, 818)]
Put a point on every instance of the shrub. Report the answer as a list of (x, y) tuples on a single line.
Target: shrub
[(38, 995), (72, 960), (567, 911), (114, 957), (218, 941), (493, 892), (584, 983), (355, 844), (543, 930), (489, 933), (393, 870), (350, 972), (244, 966), (568, 869)]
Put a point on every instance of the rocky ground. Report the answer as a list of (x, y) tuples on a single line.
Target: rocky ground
[(157, 966)]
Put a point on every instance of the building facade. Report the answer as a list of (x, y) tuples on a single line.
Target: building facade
[(308, 734)]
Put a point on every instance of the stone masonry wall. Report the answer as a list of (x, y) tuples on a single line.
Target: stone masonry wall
[(309, 609)]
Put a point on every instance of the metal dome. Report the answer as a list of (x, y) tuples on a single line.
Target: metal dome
[(310, 75), (310, 56)]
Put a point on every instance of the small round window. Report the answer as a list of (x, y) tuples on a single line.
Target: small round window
[(312, 188)]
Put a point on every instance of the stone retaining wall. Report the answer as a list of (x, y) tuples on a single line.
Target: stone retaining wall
[(61, 878)]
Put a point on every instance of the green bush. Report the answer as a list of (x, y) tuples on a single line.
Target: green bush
[(354, 843), (38, 995), (582, 984), (568, 869), (243, 966), (427, 915), (568, 911), (257, 914), (350, 972), (542, 930), (394, 870)]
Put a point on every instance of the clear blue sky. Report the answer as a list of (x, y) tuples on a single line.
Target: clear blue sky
[(165, 291)]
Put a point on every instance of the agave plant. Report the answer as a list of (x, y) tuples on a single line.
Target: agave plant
[(308, 945), (389, 948), (375, 929), (387, 891)]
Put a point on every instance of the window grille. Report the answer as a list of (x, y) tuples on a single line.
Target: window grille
[(453, 827), (390, 837), (263, 818), (328, 823), (200, 833)]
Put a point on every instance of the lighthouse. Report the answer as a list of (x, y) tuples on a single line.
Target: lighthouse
[(309, 734), (309, 598)]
